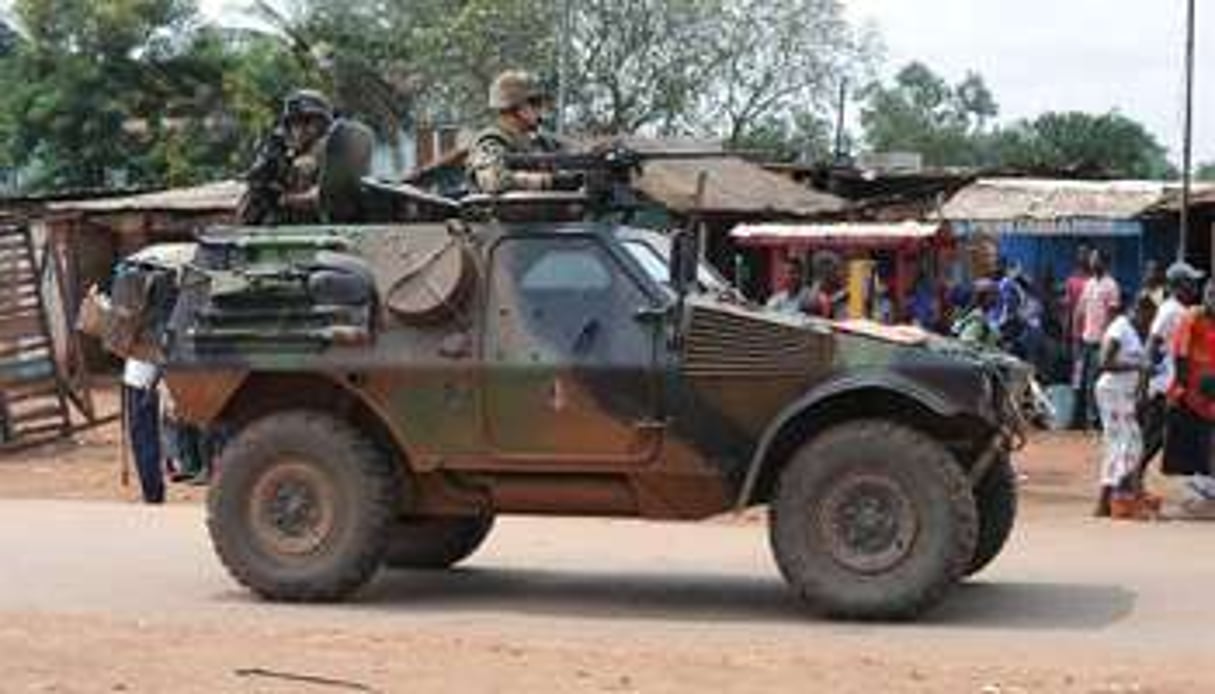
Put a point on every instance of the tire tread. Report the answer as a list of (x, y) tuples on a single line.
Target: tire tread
[(379, 474), (913, 444)]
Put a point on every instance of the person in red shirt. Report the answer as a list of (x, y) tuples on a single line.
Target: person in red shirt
[(827, 297), (1074, 287), (1094, 311), (1187, 449)]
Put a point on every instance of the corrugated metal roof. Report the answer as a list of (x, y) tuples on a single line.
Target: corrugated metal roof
[(221, 196), (835, 234), (994, 199), (734, 186), (1202, 195)]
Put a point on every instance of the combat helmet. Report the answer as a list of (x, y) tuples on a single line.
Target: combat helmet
[(513, 89), (304, 103)]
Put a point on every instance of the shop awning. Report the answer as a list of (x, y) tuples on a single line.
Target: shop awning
[(840, 235)]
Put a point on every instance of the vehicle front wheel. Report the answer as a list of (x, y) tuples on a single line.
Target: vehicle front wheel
[(301, 508), (872, 520), (435, 542)]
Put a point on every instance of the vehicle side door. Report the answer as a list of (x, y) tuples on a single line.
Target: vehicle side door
[(571, 366)]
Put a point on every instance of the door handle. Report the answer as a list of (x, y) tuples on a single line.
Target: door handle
[(651, 314)]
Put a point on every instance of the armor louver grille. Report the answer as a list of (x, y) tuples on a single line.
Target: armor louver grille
[(731, 343)]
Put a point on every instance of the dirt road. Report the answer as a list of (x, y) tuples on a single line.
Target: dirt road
[(100, 596)]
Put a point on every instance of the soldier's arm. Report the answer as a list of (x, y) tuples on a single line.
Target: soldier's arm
[(303, 199), (487, 166)]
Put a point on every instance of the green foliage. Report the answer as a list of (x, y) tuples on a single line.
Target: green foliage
[(469, 42), (101, 92), (142, 92), (664, 67), (949, 126), (92, 88), (804, 137), (921, 112), (1105, 145), (1205, 172), (777, 60), (630, 75)]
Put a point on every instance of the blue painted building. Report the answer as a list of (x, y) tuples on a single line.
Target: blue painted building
[(1039, 224)]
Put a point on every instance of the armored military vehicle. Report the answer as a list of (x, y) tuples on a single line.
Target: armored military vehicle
[(389, 390)]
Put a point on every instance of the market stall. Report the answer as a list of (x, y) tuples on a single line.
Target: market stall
[(887, 258)]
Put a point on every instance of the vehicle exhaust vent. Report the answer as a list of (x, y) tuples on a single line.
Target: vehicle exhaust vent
[(730, 342)]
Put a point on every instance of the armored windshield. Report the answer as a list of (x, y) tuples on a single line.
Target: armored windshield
[(651, 254)]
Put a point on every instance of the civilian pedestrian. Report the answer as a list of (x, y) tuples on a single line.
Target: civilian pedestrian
[(925, 306), (1123, 367), (793, 291), (975, 327), (1096, 309), (1187, 447), (1155, 282), (1183, 288), (1073, 288), (142, 409), (827, 297)]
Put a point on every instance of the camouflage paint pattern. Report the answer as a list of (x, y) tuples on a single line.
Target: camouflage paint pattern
[(562, 380)]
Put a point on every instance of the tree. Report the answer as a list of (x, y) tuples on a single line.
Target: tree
[(664, 67), (921, 112), (468, 43), (1206, 172), (105, 87), (391, 63), (802, 137), (1108, 145), (777, 61), (638, 64)]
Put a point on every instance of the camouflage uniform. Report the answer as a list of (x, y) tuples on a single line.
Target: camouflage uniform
[(318, 183), (487, 170), (304, 174), (487, 167)]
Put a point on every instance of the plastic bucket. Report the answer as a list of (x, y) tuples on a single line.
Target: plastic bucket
[(1063, 400)]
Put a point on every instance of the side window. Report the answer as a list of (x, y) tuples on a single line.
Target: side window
[(563, 300), (567, 269)]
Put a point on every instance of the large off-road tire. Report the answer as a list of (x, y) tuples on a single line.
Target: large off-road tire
[(996, 502), (301, 507), (872, 520), (435, 542)]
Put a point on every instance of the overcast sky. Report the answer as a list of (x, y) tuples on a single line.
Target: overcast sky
[(1040, 55)]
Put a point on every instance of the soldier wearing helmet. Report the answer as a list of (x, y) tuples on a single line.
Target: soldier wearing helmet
[(310, 150), (307, 118), (520, 104)]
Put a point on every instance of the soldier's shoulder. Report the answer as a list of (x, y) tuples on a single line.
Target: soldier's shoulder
[(492, 134), (351, 127)]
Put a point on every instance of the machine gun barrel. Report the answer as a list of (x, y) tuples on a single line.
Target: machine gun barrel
[(609, 160)]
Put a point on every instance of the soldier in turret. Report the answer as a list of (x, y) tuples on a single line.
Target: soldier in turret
[(308, 169), (520, 104)]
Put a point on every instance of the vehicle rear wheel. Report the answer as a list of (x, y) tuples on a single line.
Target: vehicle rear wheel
[(301, 508), (435, 542), (996, 502), (872, 520)]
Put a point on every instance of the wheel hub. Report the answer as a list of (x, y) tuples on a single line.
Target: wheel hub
[(292, 509), (868, 523)]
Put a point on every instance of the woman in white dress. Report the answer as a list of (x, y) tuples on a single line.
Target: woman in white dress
[(1122, 383)]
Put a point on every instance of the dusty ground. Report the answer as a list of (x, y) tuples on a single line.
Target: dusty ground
[(98, 594)]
